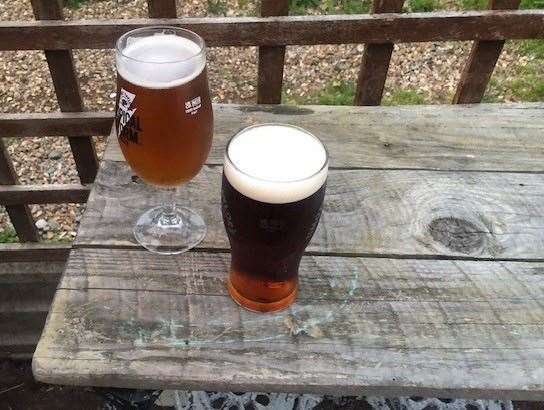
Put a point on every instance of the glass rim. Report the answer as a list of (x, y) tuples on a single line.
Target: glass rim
[(238, 133), (200, 43)]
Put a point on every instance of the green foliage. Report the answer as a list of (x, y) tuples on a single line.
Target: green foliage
[(404, 97), (422, 5), (330, 6), (74, 4), (490, 95), (534, 48), (343, 93), (528, 86), (8, 236), (300, 6), (532, 4), (474, 4), (217, 7), (353, 6), (337, 93), (484, 4)]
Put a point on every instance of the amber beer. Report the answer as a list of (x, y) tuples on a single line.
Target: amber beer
[(164, 116), (164, 124), (272, 194)]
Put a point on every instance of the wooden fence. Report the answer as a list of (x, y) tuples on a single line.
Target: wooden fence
[(29, 270)]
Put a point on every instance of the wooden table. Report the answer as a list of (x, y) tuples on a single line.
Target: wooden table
[(425, 275)]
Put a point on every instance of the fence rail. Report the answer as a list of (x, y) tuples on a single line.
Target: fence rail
[(286, 30), (70, 124), (43, 194)]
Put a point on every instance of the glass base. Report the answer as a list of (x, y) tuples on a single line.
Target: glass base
[(262, 307), (169, 230)]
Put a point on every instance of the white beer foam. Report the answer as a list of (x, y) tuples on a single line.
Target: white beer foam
[(276, 163), (158, 61)]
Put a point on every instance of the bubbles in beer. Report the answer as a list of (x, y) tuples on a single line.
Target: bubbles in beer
[(276, 163), (160, 61)]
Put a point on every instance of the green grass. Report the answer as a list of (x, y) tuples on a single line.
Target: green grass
[(330, 6), (300, 6), (335, 93), (529, 85), (526, 85), (343, 93), (353, 6), (532, 4), (533, 48), (74, 4), (474, 4), (484, 4), (422, 5), (8, 236), (217, 7), (404, 97)]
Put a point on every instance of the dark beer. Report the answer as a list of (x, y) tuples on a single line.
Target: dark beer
[(164, 118), (271, 204)]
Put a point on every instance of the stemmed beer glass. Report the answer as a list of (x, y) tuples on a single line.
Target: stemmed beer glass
[(164, 124)]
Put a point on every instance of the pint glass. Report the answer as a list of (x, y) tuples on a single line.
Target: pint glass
[(164, 124), (272, 194)]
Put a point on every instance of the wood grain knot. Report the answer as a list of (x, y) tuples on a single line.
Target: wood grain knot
[(457, 234)]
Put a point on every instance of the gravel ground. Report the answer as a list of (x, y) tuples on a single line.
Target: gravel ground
[(25, 86)]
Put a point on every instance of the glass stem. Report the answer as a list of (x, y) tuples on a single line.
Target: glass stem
[(170, 216)]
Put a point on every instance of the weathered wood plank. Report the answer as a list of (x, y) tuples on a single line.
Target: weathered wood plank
[(43, 194), (65, 82), (73, 124), (23, 273), (162, 338), (161, 320), (20, 332), (19, 215), (26, 292), (375, 61), (286, 30), (161, 8), (235, 371), (32, 252), (477, 137), (405, 213), (28, 297), (481, 63), (322, 277), (271, 59)]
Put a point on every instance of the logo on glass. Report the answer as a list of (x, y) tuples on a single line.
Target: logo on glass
[(128, 124), (192, 106)]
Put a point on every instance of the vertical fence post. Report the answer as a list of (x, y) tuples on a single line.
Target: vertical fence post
[(271, 59), (481, 63), (20, 215), (161, 8), (61, 67), (375, 61)]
